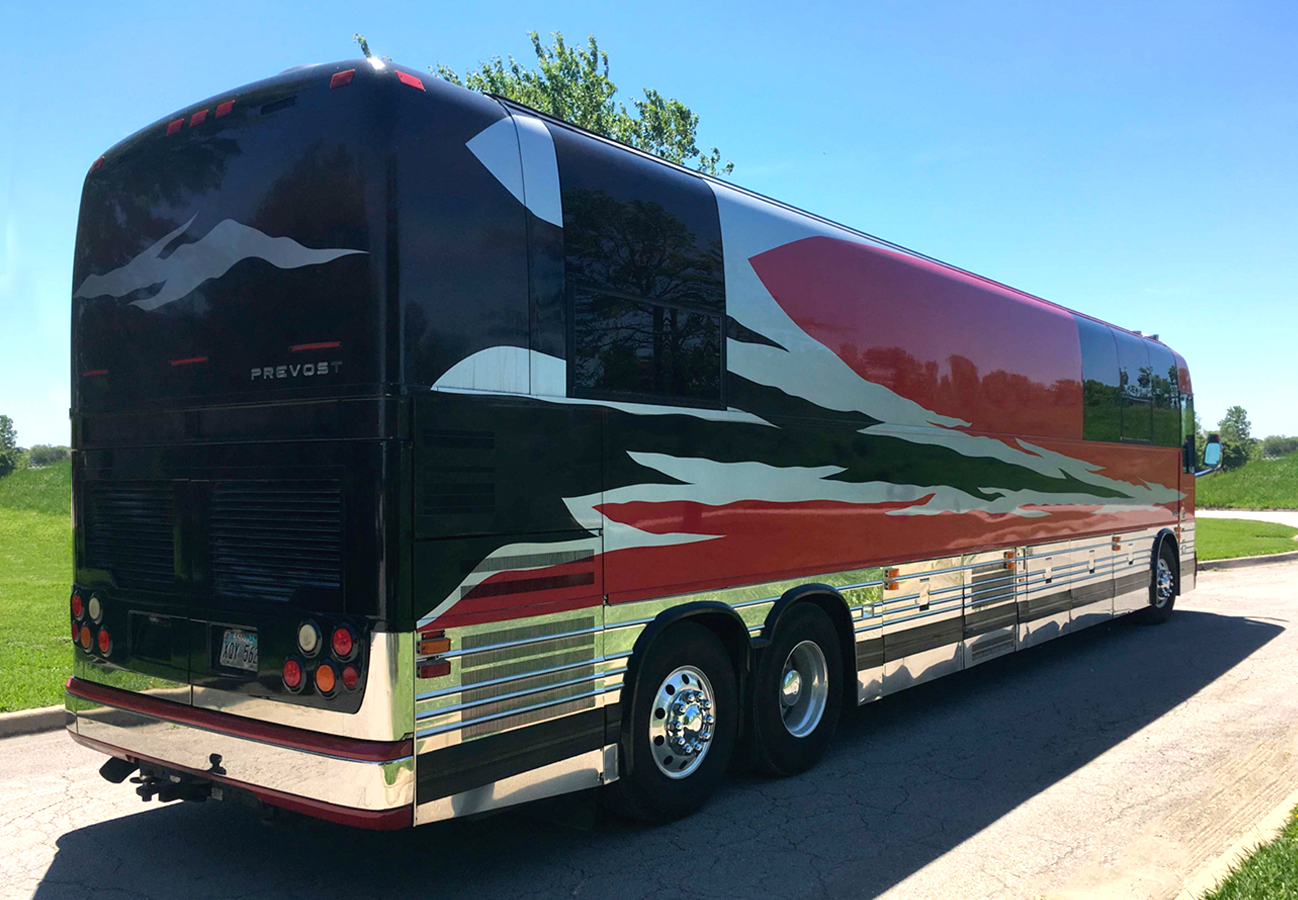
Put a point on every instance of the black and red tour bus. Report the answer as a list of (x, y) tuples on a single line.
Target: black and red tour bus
[(432, 456)]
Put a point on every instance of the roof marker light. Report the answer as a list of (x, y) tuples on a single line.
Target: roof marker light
[(322, 345), (96, 164), (223, 109), (197, 118), (341, 78), (410, 80), (174, 127), (189, 361)]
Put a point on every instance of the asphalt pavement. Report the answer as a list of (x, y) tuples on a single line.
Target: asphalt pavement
[(1116, 762)]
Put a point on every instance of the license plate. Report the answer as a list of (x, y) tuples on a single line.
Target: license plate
[(239, 650)]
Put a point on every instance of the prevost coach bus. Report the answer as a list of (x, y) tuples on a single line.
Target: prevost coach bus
[(432, 456)]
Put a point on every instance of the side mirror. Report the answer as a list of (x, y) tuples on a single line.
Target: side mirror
[(1211, 455)]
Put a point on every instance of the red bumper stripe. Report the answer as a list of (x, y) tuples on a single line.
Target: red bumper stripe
[(238, 726)]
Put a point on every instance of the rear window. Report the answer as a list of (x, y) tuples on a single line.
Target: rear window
[(233, 256)]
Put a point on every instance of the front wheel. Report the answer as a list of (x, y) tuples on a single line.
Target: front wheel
[(1162, 588), (798, 691), (679, 730)]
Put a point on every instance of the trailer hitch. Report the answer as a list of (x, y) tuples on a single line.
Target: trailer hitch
[(168, 787)]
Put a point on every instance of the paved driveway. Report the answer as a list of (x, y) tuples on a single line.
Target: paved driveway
[(1111, 763)]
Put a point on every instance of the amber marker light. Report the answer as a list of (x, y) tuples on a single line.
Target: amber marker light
[(85, 638), (325, 678), (292, 675), (890, 579), (433, 645)]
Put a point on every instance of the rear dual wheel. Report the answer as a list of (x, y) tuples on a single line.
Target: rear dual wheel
[(1162, 587)]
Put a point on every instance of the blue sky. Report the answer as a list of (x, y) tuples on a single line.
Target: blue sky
[(1138, 162)]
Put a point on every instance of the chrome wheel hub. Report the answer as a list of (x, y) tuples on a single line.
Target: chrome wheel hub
[(1164, 584), (804, 689), (681, 722)]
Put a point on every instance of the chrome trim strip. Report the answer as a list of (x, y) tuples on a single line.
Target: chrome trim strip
[(456, 726), (496, 698)]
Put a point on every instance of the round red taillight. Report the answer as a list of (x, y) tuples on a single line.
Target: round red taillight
[(76, 632), (351, 678), (85, 637), (343, 642), (105, 642), (77, 608), (292, 674), (325, 678)]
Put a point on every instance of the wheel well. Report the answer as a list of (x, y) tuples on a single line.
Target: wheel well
[(832, 602), (1166, 536), (718, 618)]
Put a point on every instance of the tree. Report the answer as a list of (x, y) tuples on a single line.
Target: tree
[(572, 83), (9, 453), (44, 454), (1236, 438), (1274, 445)]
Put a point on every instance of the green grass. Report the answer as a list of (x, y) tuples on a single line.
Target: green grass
[(1261, 484), (1268, 873), (1228, 538), (35, 574)]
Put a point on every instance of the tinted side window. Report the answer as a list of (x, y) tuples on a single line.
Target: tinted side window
[(1165, 395), (643, 268), (1101, 387), (1136, 376)]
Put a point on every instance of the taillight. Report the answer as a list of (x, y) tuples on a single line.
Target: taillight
[(105, 642), (85, 638), (325, 678), (76, 632), (77, 608), (96, 609), (292, 674), (435, 669), (308, 638), (351, 678), (344, 643)]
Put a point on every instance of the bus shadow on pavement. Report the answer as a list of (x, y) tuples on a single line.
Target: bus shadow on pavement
[(906, 780)]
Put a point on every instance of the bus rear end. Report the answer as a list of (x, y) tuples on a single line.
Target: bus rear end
[(238, 455)]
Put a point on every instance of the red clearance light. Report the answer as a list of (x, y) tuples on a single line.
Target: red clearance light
[(197, 118), (322, 345), (105, 642), (96, 164), (89, 372), (223, 109), (325, 679), (77, 608), (85, 638), (175, 126), (189, 361), (351, 678), (343, 642), (410, 81), (292, 674), (341, 78), (436, 669)]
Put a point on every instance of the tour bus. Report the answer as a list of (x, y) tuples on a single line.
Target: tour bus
[(432, 455)]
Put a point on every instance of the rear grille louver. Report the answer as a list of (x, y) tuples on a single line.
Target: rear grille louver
[(130, 531), (268, 539)]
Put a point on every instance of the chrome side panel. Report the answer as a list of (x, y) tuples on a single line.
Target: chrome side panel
[(1132, 564), (579, 773), (923, 622), (991, 606), (1091, 591), (345, 782), (1187, 548), (1045, 608)]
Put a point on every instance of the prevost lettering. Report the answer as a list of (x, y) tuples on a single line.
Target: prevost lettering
[(297, 370)]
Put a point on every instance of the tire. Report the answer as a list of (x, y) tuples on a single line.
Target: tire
[(1163, 588), (684, 665), (804, 655)]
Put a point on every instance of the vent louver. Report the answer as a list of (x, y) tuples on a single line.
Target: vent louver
[(268, 539), (130, 531)]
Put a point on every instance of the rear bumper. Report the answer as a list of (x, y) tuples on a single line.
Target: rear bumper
[(370, 784)]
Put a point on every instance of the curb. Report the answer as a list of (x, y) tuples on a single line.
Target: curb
[(1242, 562), (32, 721), (1263, 832)]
